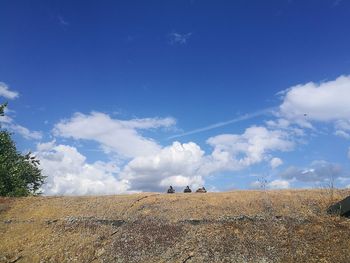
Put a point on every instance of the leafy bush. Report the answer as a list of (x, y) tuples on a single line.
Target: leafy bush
[(19, 173)]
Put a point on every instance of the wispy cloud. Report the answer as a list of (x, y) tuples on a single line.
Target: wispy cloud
[(7, 122), (224, 123), (337, 2), (62, 21), (178, 38), (25, 132)]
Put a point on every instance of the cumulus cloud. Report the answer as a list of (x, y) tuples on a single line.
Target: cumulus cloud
[(234, 152), (6, 92), (69, 173), (120, 136), (320, 102), (178, 165), (275, 162), (182, 181), (319, 171), (187, 164)]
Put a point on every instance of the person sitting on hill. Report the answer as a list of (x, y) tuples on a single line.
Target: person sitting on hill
[(187, 190), (201, 190), (171, 190)]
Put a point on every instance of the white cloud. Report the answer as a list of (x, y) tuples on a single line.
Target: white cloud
[(186, 164), (177, 38), (5, 119), (182, 181), (8, 123), (153, 167), (278, 184), (343, 125), (342, 134), (278, 124), (318, 171), (178, 165), (149, 123), (342, 128), (6, 92), (287, 126), (234, 152), (324, 102), (275, 184), (349, 153), (25, 132), (275, 162), (68, 172), (119, 136)]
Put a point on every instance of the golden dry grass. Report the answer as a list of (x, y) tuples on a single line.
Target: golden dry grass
[(239, 226)]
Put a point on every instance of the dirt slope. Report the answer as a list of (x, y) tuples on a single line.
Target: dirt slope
[(241, 226)]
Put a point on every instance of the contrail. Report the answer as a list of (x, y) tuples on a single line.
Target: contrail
[(224, 123)]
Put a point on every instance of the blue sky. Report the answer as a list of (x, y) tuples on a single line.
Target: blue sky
[(125, 96)]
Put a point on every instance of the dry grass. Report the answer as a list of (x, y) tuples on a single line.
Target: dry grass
[(240, 226)]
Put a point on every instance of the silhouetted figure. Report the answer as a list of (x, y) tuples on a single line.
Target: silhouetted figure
[(171, 190), (201, 190), (187, 190)]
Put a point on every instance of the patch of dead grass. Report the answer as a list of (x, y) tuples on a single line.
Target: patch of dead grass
[(240, 226)]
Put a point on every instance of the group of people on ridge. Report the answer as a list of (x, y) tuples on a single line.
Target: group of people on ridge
[(171, 190)]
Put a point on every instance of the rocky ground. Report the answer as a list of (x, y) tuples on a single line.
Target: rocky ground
[(240, 226)]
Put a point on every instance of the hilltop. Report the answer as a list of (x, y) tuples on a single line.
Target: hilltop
[(239, 226)]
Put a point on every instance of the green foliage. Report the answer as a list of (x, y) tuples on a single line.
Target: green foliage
[(2, 109), (19, 174)]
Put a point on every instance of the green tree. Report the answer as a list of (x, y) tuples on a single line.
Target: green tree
[(19, 173)]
